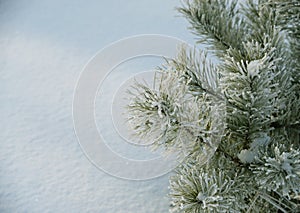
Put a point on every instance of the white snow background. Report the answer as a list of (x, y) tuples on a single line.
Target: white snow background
[(44, 45)]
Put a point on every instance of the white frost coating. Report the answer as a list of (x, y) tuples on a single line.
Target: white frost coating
[(253, 68), (246, 156)]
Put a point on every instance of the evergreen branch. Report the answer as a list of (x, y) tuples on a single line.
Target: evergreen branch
[(196, 71), (204, 190), (256, 168), (277, 24), (253, 202), (289, 11), (250, 84), (277, 167), (216, 22), (273, 201), (170, 116)]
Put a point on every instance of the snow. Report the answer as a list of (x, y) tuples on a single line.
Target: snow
[(44, 46)]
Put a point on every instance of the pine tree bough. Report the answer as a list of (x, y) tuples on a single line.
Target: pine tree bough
[(235, 123)]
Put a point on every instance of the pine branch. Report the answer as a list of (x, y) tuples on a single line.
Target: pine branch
[(173, 119), (216, 22), (254, 90), (196, 71)]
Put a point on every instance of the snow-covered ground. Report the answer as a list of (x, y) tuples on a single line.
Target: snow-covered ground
[(44, 44)]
